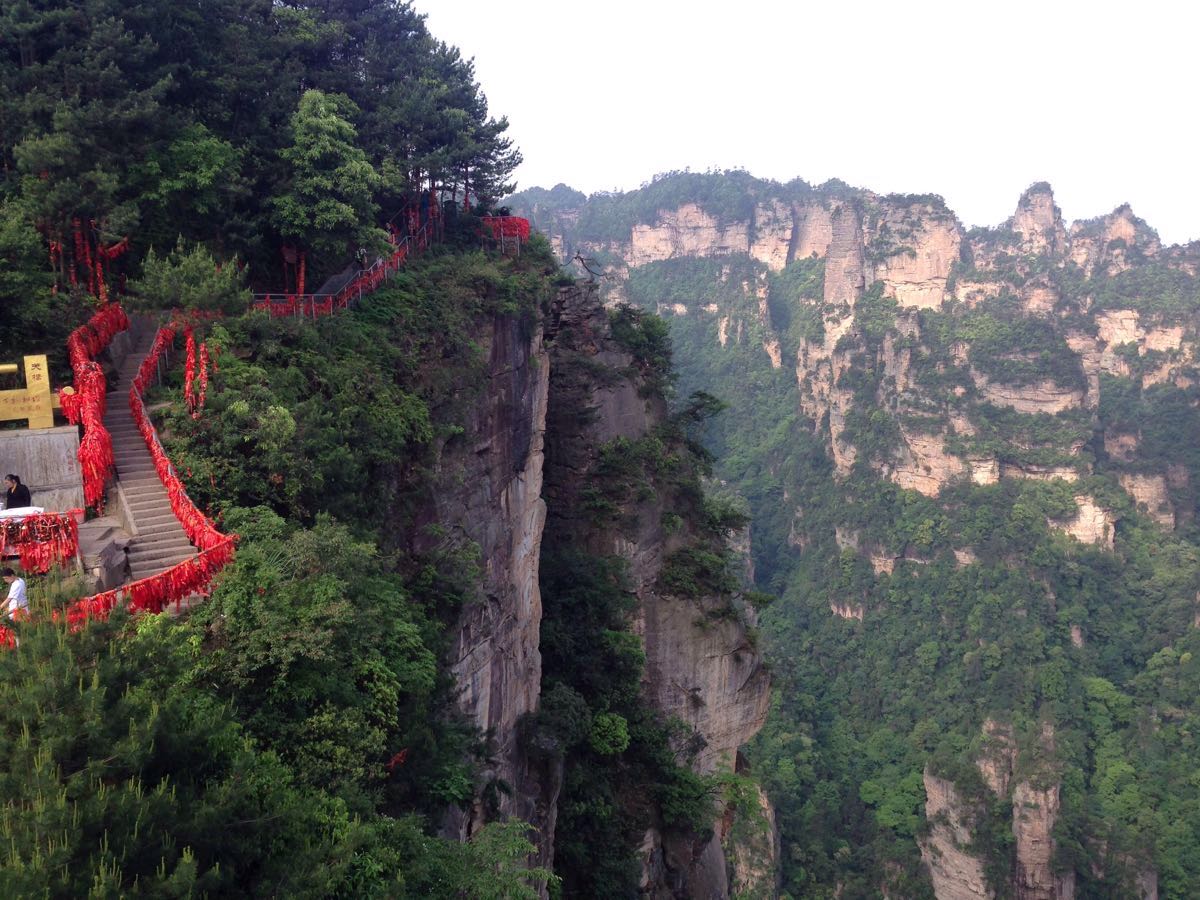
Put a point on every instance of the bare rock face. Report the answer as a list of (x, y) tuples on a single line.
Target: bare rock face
[(924, 465), (1035, 810), (997, 756), (753, 842), (1039, 297), (1121, 446), (845, 267), (847, 610), (930, 241), (773, 227), (814, 231), (1038, 222), (956, 873), (1105, 244), (1119, 326), (687, 231), (1092, 523), (1150, 493), (1043, 397), (489, 493), (1038, 473)]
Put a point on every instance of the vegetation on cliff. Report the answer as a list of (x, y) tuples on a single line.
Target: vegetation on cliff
[(908, 624)]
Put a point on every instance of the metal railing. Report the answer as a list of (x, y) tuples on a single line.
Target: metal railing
[(363, 282)]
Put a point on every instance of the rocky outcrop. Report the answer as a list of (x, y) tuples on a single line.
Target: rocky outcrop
[(701, 668), (1038, 222), (1121, 446), (1150, 494), (489, 493), (1106, 244), (956, 873), (814, 231), (845, 266), (1038, 473), (924, 465), (752, 837), (1092, 523), (686, 231), (997, 756), (1042, 397), (774, 226), (846, 610), (1035, 810), (921, 245)]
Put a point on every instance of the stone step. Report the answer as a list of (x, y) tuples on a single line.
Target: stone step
[(160, 544), (151, 563), (148, 491), (150, 524), (138, 483), (159, 556), (155, 561), (148, 508)]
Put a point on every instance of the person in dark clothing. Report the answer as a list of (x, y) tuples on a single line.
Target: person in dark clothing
[(16, 495)]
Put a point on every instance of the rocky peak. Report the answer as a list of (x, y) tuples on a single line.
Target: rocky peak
[(1038, 222)]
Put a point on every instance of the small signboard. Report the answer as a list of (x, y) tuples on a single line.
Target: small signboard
[(35, 401)]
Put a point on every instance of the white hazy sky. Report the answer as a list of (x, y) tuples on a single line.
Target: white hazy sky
[(970, 100)]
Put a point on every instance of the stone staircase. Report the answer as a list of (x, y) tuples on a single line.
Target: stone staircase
[(160, 541)]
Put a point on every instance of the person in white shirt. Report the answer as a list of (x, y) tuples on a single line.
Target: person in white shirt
[(17, 598)]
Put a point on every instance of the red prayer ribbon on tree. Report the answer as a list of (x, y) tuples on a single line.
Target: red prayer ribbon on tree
[(189, 369)]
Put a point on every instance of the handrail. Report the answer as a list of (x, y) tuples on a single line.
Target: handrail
[(364, 281)]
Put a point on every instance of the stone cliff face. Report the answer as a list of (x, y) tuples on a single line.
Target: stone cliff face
[(701, 668), (490, 494), (955, 872)]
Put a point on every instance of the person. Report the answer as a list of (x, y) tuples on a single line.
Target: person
[(18, 600), (17, 495)]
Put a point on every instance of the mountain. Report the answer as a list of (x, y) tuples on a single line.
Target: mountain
[(969, 459)]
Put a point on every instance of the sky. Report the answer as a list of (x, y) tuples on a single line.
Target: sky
[(971, 100)]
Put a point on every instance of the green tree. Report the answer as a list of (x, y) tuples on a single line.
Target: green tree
[(327, 204)]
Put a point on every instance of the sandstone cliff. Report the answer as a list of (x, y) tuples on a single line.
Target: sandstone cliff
[(701, 668), (489, 494)]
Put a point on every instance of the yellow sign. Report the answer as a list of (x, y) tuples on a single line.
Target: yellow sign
[(35, 401)]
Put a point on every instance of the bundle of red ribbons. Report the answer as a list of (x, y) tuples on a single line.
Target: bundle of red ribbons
[(41, 540), (507, 226), (86, 405)]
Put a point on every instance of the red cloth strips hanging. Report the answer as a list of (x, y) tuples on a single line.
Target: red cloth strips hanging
[(506, 226), (88, 403), (43, 540)]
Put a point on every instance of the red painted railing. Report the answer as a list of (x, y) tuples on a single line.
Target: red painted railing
[(365, 281)]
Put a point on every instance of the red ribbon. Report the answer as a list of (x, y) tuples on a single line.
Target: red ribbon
[(189, 370), (88, 405), (41, 540)]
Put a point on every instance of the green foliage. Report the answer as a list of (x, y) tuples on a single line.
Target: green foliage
[(328, 204), (190, 279), (646, 338), (609, 735), (125, 775), (154, 121), (695, 572)]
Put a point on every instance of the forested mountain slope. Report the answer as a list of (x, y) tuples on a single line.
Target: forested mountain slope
[(970, 461), (408, 683)]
